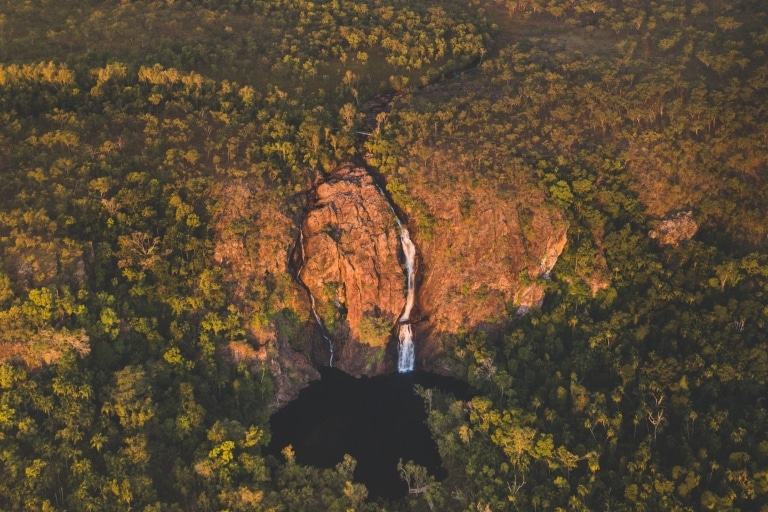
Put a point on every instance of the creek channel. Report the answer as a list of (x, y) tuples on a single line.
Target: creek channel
[(377, 420)]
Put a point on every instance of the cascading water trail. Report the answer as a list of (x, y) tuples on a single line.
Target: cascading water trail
[(405, 353), (409, 250), (405, 350), (312, 299)]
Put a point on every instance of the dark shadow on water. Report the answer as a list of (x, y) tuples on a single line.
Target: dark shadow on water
[(377, 420)]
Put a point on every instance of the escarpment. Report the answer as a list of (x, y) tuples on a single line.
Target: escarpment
[(486, 251), (351, 266), (252, 235), (485, 257)]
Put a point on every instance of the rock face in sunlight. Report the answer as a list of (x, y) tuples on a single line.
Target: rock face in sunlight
[(477, 267), (532, 295), (251, 239), (675, 229), (352, 268), (485, 255)]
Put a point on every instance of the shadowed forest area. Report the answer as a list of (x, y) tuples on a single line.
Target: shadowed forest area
[(155, 159)]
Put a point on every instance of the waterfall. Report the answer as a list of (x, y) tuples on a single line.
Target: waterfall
[(405, 349), (312, 298), (409, 250)]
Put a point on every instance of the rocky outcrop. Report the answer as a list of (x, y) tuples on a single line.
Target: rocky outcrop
[(252, 238), (531, 295), (675, 229), (479, 266), (352, 268), (486, 252)]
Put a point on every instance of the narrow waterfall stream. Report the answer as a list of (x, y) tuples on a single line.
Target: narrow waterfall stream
[(312, 298), (405, 349), (406, 357)]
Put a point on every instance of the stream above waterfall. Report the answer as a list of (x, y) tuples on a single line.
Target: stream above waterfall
[(376, 420)]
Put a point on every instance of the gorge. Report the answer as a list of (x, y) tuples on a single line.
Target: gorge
[(357, 262)]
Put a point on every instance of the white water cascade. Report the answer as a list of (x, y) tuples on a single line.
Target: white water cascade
[(312, 299), (405, 350), (406, 357), (409, 250)]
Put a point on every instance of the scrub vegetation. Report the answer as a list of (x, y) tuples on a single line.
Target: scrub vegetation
[(154, 159)]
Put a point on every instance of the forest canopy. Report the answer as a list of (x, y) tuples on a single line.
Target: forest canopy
[(154, 164)]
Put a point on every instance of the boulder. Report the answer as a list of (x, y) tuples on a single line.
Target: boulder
[(675, 229)]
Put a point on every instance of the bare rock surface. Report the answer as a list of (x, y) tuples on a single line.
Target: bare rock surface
[(252, 238), (675, 229), (486, 253), (352, 268), (478, 266)]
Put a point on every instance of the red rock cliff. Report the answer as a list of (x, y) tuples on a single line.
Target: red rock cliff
[(352, 268), (484, 253)]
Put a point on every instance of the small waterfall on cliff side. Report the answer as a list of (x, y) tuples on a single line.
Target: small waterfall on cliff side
[(405, 350), (312, 298), (410, 258)]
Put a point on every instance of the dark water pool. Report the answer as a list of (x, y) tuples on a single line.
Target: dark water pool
[(377, 420)]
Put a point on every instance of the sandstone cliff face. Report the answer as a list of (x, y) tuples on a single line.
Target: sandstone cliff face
[(252, 241), (352, 268), (486, 256), (476, 268)]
